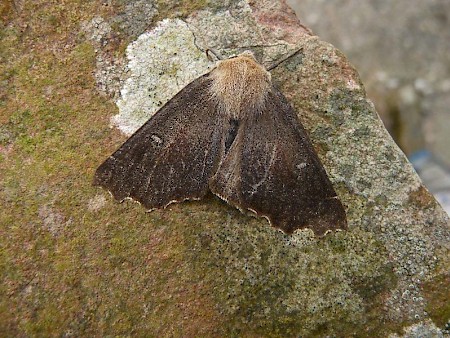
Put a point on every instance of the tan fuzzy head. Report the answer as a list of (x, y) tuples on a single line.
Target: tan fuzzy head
[(240, 84)]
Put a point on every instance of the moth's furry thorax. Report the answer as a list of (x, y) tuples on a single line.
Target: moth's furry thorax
[(240, 85)]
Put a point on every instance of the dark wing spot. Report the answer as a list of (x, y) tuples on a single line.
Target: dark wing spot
[(231, 135)]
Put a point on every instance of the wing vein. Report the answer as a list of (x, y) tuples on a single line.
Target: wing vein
[(266, 172)]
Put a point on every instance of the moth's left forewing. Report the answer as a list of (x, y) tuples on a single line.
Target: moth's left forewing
[(273, 170), (172, 156)]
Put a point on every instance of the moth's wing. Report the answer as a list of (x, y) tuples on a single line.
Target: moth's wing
[(272, 169), (172, 156)]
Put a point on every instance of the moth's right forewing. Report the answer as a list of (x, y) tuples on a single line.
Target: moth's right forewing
[(273, 170), (172, 156)]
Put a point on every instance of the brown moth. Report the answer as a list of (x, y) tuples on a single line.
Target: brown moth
[(232, 133)]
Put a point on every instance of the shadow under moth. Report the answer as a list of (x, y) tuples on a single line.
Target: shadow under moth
[(233, 133)]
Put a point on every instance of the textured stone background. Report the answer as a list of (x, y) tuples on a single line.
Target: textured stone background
[(76, 263), (401, 50)]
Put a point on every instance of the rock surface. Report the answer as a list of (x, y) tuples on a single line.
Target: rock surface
[(401, 50), (75, 263)]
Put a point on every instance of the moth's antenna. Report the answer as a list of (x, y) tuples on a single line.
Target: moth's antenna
[(279, 62), (213, 52)]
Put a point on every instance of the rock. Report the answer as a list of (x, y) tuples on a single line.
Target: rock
[(425, 329), (201, 269), (96, 203), (52, 220), (391, 46), (368, 279)]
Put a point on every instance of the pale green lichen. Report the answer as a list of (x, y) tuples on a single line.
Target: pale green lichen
[(160, 63)]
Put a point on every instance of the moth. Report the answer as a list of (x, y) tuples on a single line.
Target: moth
[(233, 133)]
